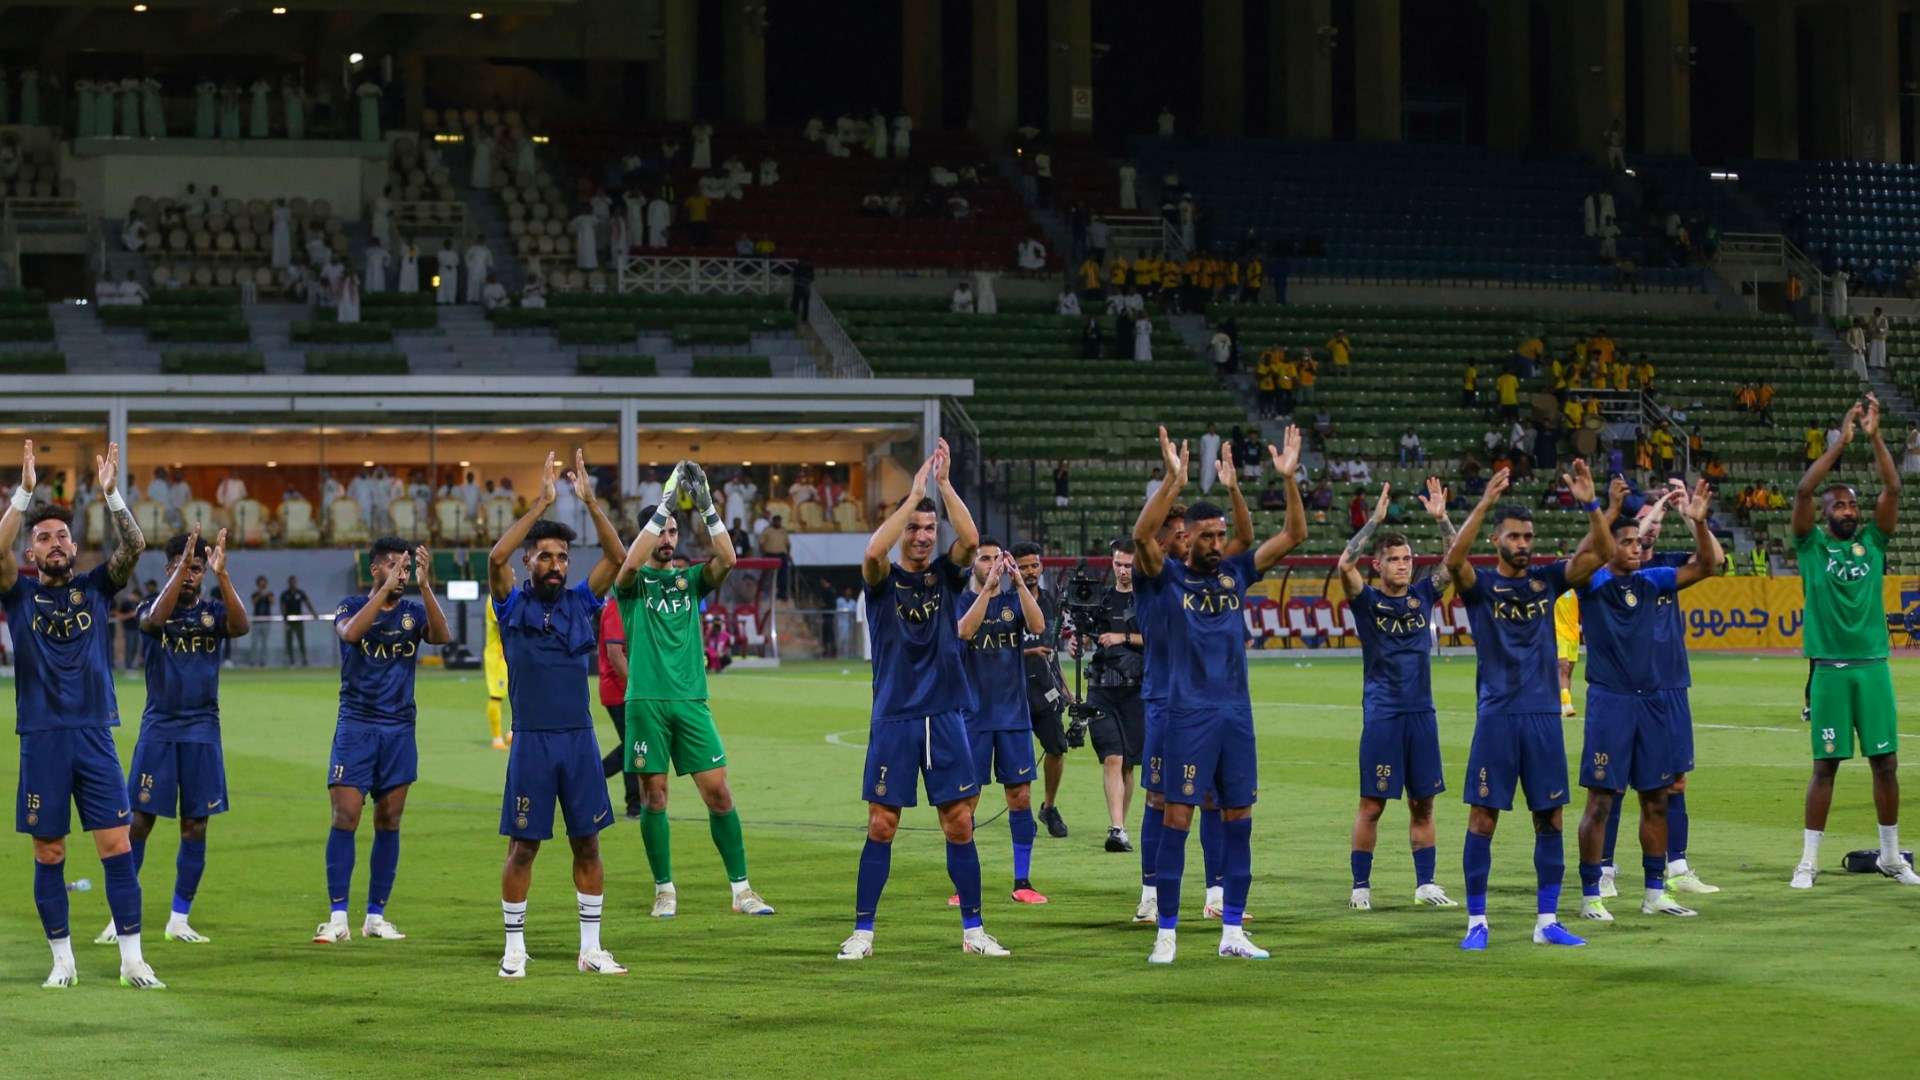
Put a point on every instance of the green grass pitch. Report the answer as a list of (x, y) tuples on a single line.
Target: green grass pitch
[(1764, 981)]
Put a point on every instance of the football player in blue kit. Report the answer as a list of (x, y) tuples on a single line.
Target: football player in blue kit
[(548, 632), (177, 763), (922, 696), (1517, 737), (66, 710), (1399, 733), (373, 745), (1207, 741), (998, 608), (1630, 722)]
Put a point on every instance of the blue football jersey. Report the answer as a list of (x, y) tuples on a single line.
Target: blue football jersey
[(913, 635), (376, 675), (1153, 649), (1619, 617), (995, 664), (62, 652), (1395, 641), (1201, 619), (183, 673), (1670, 630), (548, 647), (1512, 620)]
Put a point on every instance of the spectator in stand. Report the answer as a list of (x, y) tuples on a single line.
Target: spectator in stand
[(1098, 235), (1763, 403), (802, 489), (1090, 282), (1814, 440), (1715, 470), (1910, 463), (1856, 340), (296, 608), (1067, 303), (1356, 512), (1359, 471), (1322, 426), (1091, 339), (1266, 376), (1410, 452), (773, 543), (1272, 496), (1470, 385), (1321, 500), (493, 295), (1340, 349), (1307, 373), (230, 491), (1877, 328), (1745, 398), (1060, 485), (262, 600), (962, 301), (1031, 254), (1286, 375), (1252, 452), (1507, 386)]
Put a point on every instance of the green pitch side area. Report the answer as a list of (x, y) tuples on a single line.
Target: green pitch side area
[(1763, 982)]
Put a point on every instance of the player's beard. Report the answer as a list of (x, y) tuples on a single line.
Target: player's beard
[(662, 556), (1516, 558), (56, 568), (1843, 528), (1206, 563), (549, 587)]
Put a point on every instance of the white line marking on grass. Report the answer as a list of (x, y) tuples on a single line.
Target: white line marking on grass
[(834, 739)]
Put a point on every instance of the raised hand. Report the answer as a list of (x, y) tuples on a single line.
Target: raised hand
[(422, 561), (1580, 483), (1616, 491), (582, 483), (1697, 506), (109, 468), (217, 558), (1380, 505), (1185, 457), (1169, 455), (28, 477), (1870, 421), (672, 485), (943, 456), (193, 538), (1848, 422), (920, 478), (702, 492), (1435, 500), (996, 572), (1286, 461), (550, 479), (1229, 476), (1497, 486)]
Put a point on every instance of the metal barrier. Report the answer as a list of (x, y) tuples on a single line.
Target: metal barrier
[(848, 361), (697, 275)]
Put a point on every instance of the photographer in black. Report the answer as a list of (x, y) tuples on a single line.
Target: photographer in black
[(1105, 624), (1047, 694)]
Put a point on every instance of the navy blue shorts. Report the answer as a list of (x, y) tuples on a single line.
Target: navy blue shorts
[(1401, 752), (1679, 730), (1152, 746), (1627, 741), (70, 766), (1001, 757), (191, 776), (1210, 752), (1528, 749), (545, 767), (373, 757), (935, 748)]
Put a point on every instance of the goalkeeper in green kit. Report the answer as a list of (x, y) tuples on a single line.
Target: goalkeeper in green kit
[(667, 718), (1849, 688)]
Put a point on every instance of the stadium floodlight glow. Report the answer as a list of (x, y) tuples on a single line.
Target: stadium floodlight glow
[(476, 16), (746, 464), (139, 9), (1733, 176), (273, 464), (366, 464), (354, 58), (542, 140), (279, 11), (466, 464), (831, 463)]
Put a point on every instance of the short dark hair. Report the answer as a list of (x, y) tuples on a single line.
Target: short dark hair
[(1511, 512), (1025, 548), (646, 513), (549, 530), (1122, 546), (1390, 540), (49, 512), (1623, 522), (177, 546), (1177, 512), (1204, 511), (924, 506), (988, 541), (386, 545)]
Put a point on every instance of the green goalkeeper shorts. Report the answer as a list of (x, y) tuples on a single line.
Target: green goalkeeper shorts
[(1845, 696), (678, 731)]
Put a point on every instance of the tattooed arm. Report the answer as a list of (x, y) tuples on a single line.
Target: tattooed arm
[(1435, 501), (129, 542)]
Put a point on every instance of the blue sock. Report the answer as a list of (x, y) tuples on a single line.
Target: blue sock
[(139, 853), (1590, 880), (187, 868), (1655, 869), (123, 891), (339, 867), (1020, 823), (50, 897), (1423, 859), (1362, 864), (1613, 832), (875, 860), (383, 865), (1549, 869), (1239, 875), (963, 866), (1168, 870), (1676, 826), (1213, 846), (1150, 820), (1476, 863)]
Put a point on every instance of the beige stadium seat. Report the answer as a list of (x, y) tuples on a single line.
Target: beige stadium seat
[(223, 276), (345, 526), (811, 518), (202, 513), (94, 529), (217, 222), (297, 206), (497, 514), (234, 207), (151, 516), (847, 517), (409, 521), (450, 521), (250, 523), (202, 277), (296, 523), (780, 508)]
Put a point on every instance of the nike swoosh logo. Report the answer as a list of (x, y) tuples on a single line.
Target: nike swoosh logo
[(1556, 794), (966, 787), (597, 818), (1024, 772), (717, 757), (1839, 665), (122, 813), (215, 804)]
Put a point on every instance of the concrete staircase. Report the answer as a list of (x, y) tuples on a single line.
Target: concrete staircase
[(92, 348)]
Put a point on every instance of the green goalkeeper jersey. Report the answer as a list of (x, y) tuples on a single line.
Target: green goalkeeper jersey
[(1846, 613), (666, 652)]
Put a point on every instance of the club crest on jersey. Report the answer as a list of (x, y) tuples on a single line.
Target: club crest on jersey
[(1829, 748), (680, 582), (1226, 581), (1483, 783), (880, 789), (927, 580), (33, 818), (520, 821), (1413, 602), (1186, 788), (1537, 585), (206, 619), (406, 622), (1632, 600), (1006, 614), (1858, 550), (75, 596)]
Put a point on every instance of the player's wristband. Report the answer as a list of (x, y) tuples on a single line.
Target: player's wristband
[(1591, 505), (22, 498), (714, 525), (115, 501), (660, 518)]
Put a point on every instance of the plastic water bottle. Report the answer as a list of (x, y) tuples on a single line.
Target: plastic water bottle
[(83, 885)]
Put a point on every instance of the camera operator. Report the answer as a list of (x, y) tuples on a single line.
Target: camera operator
[(1047, 694), (1115, 713)]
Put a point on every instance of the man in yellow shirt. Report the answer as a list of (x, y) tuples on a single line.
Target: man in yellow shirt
[(1816, 442), (1146, 275), (1470, 385), (1508, 388), (1285, 375), (1621, 373), (1566, 645), (1267, 375), (1340, 348), (1117, 273), (1090, 281), (1644, 373), (1663, 447), (697, 207), (494, 661), (1170, 283), (1532, 348), (1308, 371), (1602, 346), (1254, 279), (1574, 413)]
